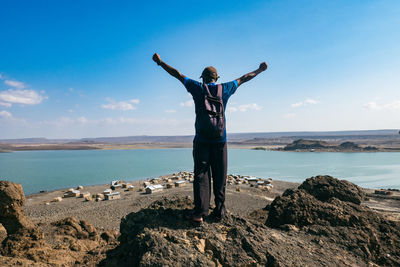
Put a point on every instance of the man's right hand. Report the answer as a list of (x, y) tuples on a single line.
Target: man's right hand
[(263, 66), (157, 58)]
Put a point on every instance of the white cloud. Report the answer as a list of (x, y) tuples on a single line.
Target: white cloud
[(26, 97), (395, 105), (1, 76), (136, 121), (68, 122), (188, 103), (5, 114), (5, 104), (8, 118), (170, 111), (82, 120), (15, 84), (289, 115), (121, 105), (372, 105), (306, 102), (244, 107)]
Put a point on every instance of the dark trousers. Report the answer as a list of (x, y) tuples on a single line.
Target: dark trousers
[(210, 161)]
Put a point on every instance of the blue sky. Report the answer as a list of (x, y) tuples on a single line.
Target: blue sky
[(72, 69)]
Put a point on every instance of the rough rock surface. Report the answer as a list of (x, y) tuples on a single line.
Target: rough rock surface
[(325, 206), (67, 242), (78, 229), (3, 233), (159, 236), (325, 187), (12, 199), (318, 224)]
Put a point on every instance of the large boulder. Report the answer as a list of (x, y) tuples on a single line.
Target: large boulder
[(73, 242), (159, 236), (300, 208), (3, 233), (326, 187), (12, 199), (325, 206), (23, 236), (79, 229)]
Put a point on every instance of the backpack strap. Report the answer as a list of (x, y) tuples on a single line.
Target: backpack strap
[(205, 86), (219, 90)]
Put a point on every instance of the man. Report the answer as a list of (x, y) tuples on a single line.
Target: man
[(209, 150)]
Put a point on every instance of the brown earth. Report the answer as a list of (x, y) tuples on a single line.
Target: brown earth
[(324, 226), (69, 242), (326, 207), (324, 222)]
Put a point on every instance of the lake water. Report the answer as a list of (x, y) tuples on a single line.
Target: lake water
[(47, 170)]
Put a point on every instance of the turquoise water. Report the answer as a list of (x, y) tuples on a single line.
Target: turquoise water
[(47, 170)]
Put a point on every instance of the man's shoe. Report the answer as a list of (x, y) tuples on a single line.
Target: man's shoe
[(191, 216), (197, 219), (217, 216)]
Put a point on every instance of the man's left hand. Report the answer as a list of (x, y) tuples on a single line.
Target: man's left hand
[(263, 66), (157, 58)]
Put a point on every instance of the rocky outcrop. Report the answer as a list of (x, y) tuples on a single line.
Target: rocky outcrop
[(305, 144), (67, 242), (321, 223), (159, 236), (71, 226), (325, 206), (325, 187), (315, 145), (12, 199), (3, 233), (349, 145), (24, 238)]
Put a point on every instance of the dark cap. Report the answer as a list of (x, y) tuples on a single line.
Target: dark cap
[(210, 72)]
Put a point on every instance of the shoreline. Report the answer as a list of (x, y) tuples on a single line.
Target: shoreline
[(107, 214), (240, 199), (277, 148)]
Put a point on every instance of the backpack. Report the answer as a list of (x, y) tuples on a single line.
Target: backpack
[(210, 120)]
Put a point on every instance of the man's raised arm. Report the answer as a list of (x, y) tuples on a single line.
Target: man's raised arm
[(173, 72), (247, 77)]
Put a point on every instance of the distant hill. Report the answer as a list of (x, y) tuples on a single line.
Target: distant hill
[(39, 140), (390, 132), (253, 138), (315, 145)]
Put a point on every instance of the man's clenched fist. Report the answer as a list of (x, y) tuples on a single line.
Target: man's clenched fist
[(263, 66), (157, 58)]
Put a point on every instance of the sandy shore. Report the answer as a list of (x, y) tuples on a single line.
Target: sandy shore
[(240, 199), (131, 146)]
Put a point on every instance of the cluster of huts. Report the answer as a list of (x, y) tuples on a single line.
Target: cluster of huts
[(107, 194), (181, 178), (158, 184), (265, 184), (175, 180)]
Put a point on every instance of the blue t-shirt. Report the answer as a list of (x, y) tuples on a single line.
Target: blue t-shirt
[(195, 88)]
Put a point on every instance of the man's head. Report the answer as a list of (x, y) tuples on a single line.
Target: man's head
[(209, 74)]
